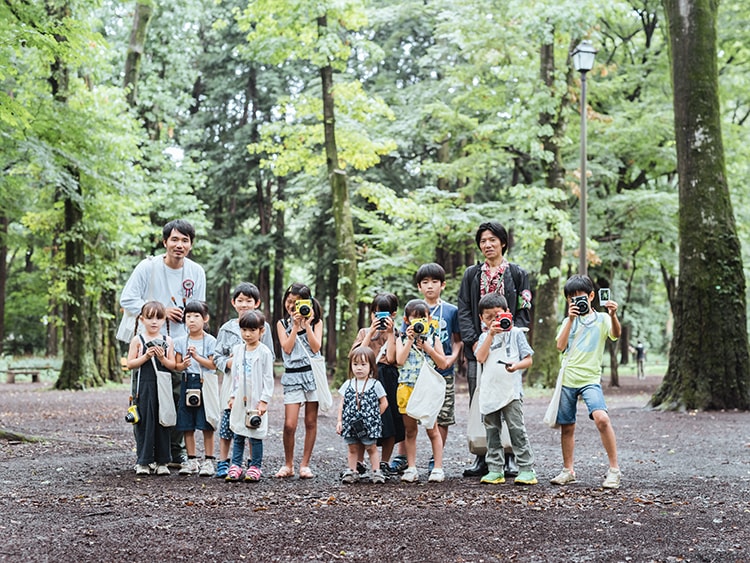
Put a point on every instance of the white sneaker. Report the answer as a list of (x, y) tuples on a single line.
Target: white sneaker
[(612, 480), (437, 475), (162, 470), (565, 477), (410, 475), (207, 468), (190, 467), (142, 470)]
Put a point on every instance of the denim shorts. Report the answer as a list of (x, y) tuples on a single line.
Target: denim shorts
[(592, 395)]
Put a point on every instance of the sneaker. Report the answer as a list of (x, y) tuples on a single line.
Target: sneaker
[(565, 477), (361, 468), (493, 478), (190, 467), (222, 468), (385, 468), (207, 468), (377, 477), (431, 464), (349, 476), (437, 475), (526, 478), (162, 470), (142, 470), (410, 475), (234, 474), (253, 474), (612, 481), (177, 463), (399, 464)]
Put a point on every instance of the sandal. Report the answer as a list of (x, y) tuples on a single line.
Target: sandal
[(285, 472), (305, 473)]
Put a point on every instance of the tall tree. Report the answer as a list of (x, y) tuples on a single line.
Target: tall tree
[(709, 365)]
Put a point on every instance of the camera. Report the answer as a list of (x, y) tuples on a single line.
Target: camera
[(420, 326), (582, 304), (505, 320), (253, 419), (193, 397), (358, 429), (157, 342), (304, 307), (132, 416), (382, 316)]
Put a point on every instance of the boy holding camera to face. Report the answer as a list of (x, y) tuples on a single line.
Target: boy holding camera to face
[(194, 358), (581, 338), (246, 297), (504, 353)]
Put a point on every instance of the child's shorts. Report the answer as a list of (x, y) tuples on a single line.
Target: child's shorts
[(191, 418), (403, 393), (592, 395), (225, 432), (298, 396), (364, 442), (447, 414)]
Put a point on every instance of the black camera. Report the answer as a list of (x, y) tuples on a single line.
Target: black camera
[(132, 416), (253, 419), (157, 342), (358, 429), (582, 304), (193, 397)]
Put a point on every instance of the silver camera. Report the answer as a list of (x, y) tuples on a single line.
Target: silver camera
[(253, 419), (193, 397)]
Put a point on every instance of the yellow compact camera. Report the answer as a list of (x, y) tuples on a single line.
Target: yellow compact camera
[(420, 326), (304, 307), (132, 416)]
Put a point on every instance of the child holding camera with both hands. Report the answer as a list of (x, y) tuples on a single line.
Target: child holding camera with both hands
[(581, 338)]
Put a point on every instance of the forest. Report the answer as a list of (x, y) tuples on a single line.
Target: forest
[(342, 143)]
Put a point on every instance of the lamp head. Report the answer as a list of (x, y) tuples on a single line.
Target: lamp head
[(583, 56)]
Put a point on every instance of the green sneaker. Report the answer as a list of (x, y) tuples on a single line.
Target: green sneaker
[(493, 478), (526, 478)]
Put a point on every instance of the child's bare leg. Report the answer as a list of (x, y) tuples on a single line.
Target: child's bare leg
[(311, 432), (208, 442), (374, 455), (443, 433), (410, 441), (351, 458), (607, 434), (437, 446), (190, 442), (224, 446), (567, 441), (291, 413)]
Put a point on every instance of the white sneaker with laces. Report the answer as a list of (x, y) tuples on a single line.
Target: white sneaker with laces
[(565, 477), (207, 468), (190, 467), (410, 475), (162, 470), (437, 475), (142, 470), (612, 480)]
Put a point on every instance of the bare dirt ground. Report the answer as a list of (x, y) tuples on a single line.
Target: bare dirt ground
[(74, 496)]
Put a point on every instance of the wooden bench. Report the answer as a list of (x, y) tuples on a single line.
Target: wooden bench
[(13, 372)]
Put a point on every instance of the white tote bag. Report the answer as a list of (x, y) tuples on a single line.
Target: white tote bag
[(427, 397), (475, 431), (211, 399), (167, 411), (550, 416), (318, 366), (126, 330), (243, 406)]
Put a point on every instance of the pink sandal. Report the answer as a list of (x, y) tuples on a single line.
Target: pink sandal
[(285, 472), (305, 473)]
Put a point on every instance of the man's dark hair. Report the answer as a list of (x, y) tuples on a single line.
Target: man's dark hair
[(248, 290), (432, 270), (181, 226), (496, 229), (577, 283), (492, 301)]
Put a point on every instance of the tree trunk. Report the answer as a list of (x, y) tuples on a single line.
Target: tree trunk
[(3, 275), (278, 263), (546, 357), (141, 18), (346, 251), (709, 366)]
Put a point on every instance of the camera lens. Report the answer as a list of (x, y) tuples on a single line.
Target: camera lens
[(193, 400), (304, 310), (419, 328), (255, 421), (129, 418), (505, 324)]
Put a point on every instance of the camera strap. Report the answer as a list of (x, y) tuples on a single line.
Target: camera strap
[(244, 376), (357, 394)]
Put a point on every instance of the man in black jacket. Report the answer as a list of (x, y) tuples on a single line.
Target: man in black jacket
[(496, 274)]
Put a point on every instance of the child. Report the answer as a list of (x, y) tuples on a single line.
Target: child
[(380, 336), (363, 401), (504, 354), (430, 279), (412, 349), (252, 389), (300, 335), (581, 338), (246, 297), (194, 358), (150, 352)]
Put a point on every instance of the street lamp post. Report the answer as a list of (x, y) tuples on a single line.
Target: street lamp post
[(583, 61)]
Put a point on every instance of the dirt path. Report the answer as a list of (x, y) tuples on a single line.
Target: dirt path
[(74, 496)]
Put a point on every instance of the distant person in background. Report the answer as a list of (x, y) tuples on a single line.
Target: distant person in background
[(640, 359), (495, 275), (172, 279)]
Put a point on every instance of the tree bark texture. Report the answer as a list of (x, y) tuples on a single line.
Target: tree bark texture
[(3, 274), (709, 366), (141, 18)]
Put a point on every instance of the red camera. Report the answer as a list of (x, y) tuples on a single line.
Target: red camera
[(505, 320)]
